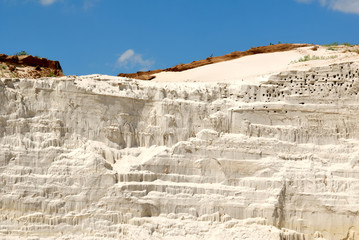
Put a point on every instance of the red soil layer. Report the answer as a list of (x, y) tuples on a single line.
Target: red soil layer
[(42, 67), (210, 60)]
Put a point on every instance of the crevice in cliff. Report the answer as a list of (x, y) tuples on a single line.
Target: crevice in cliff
[(278, 213), (350, 234)]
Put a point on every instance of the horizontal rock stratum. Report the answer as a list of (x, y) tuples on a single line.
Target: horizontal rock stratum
[(101, 157)]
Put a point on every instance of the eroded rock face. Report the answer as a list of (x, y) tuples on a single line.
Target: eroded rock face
[(107, 157), (27, 66)]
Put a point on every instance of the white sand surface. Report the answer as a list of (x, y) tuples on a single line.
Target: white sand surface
[(256, 68)]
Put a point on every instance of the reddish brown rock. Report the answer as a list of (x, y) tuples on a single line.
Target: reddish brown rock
[(31, 67), (12, 68)]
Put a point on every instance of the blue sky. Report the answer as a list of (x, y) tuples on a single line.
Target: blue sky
[(113, 36)]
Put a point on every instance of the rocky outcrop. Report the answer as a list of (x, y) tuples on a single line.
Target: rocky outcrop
[(149, 75), (104, 157), (27, 66)]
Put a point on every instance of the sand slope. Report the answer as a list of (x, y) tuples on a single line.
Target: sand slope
[(256, 68)]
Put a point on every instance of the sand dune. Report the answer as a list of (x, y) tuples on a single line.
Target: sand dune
[(149, 75), (256, 68)]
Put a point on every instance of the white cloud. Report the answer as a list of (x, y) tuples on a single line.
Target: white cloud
[(346, 6), (47, 2), (89, 4), (130, 59), (304, 1)]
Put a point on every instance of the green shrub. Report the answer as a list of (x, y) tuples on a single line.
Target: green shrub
[(334, 44), (51, 74), (21, 53), (310, 58)]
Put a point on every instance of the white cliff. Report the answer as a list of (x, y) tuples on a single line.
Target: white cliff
[(100, 157)]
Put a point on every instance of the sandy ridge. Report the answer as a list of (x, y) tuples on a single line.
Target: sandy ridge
[(149, 75)]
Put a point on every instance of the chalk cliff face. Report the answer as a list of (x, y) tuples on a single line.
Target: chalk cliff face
[(106, 157)]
